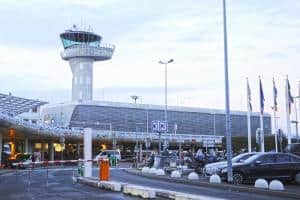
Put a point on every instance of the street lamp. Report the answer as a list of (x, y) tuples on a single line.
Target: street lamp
[(227, 101), (134, 97), (166, 93)]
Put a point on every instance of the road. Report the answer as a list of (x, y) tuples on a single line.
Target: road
[(60, 187)]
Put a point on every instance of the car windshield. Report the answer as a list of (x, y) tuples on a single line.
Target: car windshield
[(242, 157), (22, 157)]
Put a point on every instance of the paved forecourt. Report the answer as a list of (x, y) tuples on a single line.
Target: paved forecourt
[(60, 187)]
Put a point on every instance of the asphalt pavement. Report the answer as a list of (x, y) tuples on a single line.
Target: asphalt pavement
[(30, 185), (60, 187)]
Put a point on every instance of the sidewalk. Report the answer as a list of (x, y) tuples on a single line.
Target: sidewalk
[(291, 191)]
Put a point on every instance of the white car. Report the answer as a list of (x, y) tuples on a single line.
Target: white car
[(107, 153), (25, 159)]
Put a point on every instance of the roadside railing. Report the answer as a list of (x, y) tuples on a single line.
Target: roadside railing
[(77, 167)]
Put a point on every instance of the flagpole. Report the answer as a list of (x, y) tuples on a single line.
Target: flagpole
[(275, 130), (248, 117), (262, 137), (274, 111), (287, 103)]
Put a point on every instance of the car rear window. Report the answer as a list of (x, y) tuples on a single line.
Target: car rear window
[(283, 158), (295, 158)]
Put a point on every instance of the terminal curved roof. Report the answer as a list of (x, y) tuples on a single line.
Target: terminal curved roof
[(13, 105)]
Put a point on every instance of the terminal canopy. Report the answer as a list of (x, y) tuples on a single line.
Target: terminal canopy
[(71, 38)]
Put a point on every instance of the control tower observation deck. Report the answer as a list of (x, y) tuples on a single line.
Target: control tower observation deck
[(81, 49)]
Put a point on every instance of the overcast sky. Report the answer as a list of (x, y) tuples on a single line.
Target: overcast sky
[(263, 39)]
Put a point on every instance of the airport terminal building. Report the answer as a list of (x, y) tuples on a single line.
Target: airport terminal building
[(131, 117)]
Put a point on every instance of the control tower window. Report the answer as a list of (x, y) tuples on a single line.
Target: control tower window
[(73, 38)]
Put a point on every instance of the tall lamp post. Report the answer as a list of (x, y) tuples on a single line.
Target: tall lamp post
[(227, 101), (166, 95), (137, 142)]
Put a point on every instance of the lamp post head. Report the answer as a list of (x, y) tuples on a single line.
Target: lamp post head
[(171, 60), (164, 63), (134, 97)]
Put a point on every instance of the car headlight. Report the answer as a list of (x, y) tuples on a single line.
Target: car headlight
[(224, 170)]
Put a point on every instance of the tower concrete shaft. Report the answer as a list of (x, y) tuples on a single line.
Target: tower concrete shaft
[(82, 80)]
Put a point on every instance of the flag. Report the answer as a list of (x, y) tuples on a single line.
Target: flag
[(274, 96), (261, 97), (249, 96), (290, 97)]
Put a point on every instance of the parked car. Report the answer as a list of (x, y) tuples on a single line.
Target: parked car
[(282, 166), (214, 168), (293, 148), (108, 153), (25, 159)]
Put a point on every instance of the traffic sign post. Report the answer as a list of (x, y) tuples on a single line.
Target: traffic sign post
[(159, 127)]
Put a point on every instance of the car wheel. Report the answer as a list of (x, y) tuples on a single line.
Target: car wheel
[(238, 178), (297, 178)]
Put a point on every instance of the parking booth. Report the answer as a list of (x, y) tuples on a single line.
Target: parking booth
[(104, 170)]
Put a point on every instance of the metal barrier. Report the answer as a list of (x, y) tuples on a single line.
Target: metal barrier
[(47, 164)]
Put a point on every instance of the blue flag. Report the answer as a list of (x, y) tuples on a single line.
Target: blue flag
[(249, 96), (261, 97)]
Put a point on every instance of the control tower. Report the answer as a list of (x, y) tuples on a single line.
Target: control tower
[(81, 49)]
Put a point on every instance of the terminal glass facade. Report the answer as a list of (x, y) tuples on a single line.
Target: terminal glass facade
[(135, 119)]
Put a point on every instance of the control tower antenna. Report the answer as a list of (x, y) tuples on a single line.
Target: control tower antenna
[(81, 49)]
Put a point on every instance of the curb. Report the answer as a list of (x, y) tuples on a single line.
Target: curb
[(137, 190), (3, 172), (224, 186)]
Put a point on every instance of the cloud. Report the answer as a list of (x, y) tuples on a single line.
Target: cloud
[(262, 40), (89, 3)]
